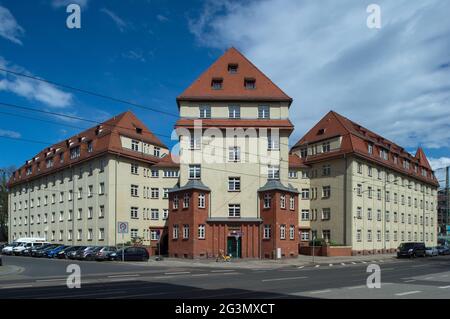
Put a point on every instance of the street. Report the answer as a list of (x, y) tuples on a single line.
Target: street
[(402, 279)]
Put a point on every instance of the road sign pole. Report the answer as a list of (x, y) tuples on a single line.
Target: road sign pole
[(123, 248)]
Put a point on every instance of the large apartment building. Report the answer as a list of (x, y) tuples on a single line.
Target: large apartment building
[(234, 194), (76, 191), (365, 191)]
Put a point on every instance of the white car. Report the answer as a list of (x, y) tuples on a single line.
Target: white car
[(431, 251), (8, 250)]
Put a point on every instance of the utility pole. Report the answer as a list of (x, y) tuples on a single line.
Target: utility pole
[(447, 198)]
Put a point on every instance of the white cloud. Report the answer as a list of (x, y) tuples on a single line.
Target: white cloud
[(137, 55), (395, 80), (11, 134), (162, 18), (31, 89), (64, 3), (439, 165), (120, 23), (9, 28)]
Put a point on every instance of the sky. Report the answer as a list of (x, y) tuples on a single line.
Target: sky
[(394, 80)]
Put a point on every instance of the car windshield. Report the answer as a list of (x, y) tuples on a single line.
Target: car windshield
[(406, 245)]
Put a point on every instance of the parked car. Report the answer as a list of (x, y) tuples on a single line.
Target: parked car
[(443, 250), (104, 253), (431, 251), (63, 254), (29, 248), (1, 262), (86, 254), (2, 246), (75, 253), (53, 252), (35, 250), (131, 254), (411, 250), (26, 246), (8, 249), (41, 252)]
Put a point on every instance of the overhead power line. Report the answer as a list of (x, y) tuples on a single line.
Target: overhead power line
[(101, 95)]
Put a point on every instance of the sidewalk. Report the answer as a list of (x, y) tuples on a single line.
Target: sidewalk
[(301, 260)]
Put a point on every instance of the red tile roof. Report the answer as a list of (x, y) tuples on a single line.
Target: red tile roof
[(170, 160), (235, 123), (105, 138), (233, 88), (296, 161), (355, 140)]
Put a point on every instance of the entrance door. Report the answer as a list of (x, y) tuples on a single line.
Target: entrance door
[(234, 246)]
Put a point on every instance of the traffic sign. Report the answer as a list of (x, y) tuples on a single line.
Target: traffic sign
[(122, 227)]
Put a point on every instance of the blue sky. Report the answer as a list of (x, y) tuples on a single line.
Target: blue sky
[(394, 80)]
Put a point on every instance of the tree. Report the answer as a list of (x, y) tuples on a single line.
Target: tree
[(5, 174)]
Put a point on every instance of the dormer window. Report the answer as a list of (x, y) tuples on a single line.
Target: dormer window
[(232, 68), (370, 148), (205, 112), (250, 84), (75, 152), (90, 147), (321, 131), (138, 130), (29, 170), (217, 84)]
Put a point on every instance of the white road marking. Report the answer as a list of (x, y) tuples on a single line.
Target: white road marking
[(357, 287), (200, 275), (317, 266), (353, 263), (177, 273), (364, 262), (429, 278), (225, 270), (410, 280), (444, 276), (319, 292), (331, 265), (380, 260), (343, 264), (408, 293), (49, 280), (300, 267), (444, 287), (286, 278), (120, 276)]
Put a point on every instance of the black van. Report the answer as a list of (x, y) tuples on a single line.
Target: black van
[(411, 250), (131, 254)]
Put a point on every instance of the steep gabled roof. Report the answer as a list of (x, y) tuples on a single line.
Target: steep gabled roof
[(104, 138), (233, 83), (355, 140)]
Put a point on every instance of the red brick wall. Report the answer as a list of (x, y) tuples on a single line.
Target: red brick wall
[(277, 216)]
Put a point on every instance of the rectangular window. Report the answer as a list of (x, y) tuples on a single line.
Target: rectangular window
[(326, 192), (326, 147), (293, 174), (234, 154), (194, 171), (234, 111), (156, 151), (134, 233), (201, 231), (273, 172), (305, 193), (186, 231), (175, 231), (201, 200), (134, 213), (75, 152), (101, 211), (267, 200), (217, 84), (291, 202), (195, 142), (186, 198), (165, 214), (154, 214), (267, 231), (292, 232), (326, 213), (134, 169), (175, 202), (273, 142), (234, 184), (101, 234), (234, 210), (283, 201), (134, 190), (282, 231), (155, 193), (205, 112), (263, 112), (305, 214), (135, 145), (165, 193)]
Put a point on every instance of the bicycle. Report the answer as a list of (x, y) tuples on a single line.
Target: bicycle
[(222, 257)]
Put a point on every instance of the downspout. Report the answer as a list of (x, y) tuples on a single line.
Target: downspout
[(345, 200), (73, 207), (115, 201), (29, 209)]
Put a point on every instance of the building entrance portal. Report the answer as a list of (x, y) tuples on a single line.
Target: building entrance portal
[(234, 246)]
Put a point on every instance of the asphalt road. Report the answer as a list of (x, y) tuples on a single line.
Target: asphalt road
[(402, 279)]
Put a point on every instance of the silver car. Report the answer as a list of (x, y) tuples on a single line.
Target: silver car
[(431, 251)]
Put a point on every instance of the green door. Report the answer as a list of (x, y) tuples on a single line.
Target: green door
[(234, 247)]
